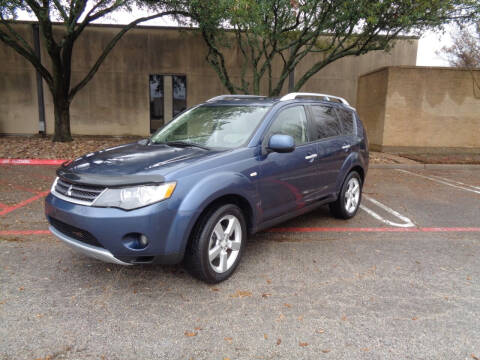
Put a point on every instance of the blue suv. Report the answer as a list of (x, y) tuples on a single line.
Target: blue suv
[(202, 183)]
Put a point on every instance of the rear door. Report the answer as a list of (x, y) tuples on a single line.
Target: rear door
[(288, 179), (350, 132), (332, 145)]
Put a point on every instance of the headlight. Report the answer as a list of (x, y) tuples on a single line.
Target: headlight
[(136, 196)]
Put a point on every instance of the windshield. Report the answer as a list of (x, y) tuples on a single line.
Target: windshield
[(213, 126)]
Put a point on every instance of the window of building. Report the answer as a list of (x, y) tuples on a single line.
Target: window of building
[(179, 94), (168, 98), (325, 122), (156, 102), (291, 121)]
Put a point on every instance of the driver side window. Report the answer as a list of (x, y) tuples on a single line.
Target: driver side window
[(293, 122)]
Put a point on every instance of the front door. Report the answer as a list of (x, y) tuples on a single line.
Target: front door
[(288, 179)]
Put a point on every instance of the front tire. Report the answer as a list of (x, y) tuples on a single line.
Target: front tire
[(217, 244), (348, 201)]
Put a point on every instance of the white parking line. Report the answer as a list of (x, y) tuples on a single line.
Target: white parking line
[(456, 182), (443, 181), (406, 221)]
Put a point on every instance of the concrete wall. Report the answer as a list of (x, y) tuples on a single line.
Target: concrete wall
[(18, 92), (116, 100), (340, 78), (421, 109)]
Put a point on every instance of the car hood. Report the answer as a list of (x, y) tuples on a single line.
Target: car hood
[(130, 164)]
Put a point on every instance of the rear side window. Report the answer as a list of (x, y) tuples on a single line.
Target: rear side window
[(291, 121), (347, 120), (325, 122)]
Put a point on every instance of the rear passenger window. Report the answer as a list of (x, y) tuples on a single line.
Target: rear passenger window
[(346, 118), (325, 122), (293, 122)]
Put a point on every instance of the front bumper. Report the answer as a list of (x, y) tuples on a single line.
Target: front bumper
[(89, 250), (107, 231)]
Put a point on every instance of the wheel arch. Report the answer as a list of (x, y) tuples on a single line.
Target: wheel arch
[(360, 172), (352, 163), (210, 192), (232, 198)]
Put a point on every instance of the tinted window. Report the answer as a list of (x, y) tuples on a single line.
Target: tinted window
[(293, 122), (346, 118), (325, 122)]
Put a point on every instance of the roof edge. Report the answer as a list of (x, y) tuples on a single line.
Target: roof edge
[(165, 27)]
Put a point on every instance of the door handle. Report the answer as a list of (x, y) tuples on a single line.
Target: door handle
[(310, 157), (346, 147)]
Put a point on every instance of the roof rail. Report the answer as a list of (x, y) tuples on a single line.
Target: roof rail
[(233, 96), (326, 97)]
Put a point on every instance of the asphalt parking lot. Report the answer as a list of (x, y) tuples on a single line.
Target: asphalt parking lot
[(399, 281)]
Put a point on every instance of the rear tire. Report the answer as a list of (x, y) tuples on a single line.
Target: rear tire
[(348, 201), (216, 244)]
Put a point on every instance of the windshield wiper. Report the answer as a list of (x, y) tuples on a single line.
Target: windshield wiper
[(185, 144)]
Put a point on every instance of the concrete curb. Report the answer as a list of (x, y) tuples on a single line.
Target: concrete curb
[(427, 166)]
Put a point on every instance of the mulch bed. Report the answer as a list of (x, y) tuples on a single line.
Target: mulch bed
[(444, 159), (37, 147)]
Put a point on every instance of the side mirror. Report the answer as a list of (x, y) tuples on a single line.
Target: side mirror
[(281, 143)]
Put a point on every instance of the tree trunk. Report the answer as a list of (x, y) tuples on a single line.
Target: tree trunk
[(62, 120)]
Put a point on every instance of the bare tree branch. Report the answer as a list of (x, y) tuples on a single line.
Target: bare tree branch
[(111, 45)]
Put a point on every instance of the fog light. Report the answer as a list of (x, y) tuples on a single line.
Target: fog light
[(143, 240), (135, 241)]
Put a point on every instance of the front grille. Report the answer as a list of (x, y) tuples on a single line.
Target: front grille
[(74, 232), (85, 193)]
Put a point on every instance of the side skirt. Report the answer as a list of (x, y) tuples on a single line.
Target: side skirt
[(269, 223)]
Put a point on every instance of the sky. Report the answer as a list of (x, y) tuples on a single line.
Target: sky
[(428, 46)]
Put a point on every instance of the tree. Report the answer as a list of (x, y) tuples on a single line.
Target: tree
[(465, 50), (285, 31), (74, 15)]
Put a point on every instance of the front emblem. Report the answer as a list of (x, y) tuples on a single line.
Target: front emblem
[(69, 191)]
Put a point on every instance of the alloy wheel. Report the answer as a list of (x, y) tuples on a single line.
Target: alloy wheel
[(352, 195), (225, 243)]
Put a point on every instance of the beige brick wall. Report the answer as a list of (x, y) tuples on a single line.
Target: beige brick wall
[(425, 109), (18, 91), (116, 101)]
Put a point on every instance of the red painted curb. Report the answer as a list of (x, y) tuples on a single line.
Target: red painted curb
[(371, 229), (299, 229), (24, 232), (32, 161)]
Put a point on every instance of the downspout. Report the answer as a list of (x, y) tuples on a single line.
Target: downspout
[(41, 103), (291, 77)]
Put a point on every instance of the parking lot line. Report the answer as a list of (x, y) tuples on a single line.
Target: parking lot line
[(440, 181), (407, 223), (455, 182), (19, 187), (308, 230), (24, 203)]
